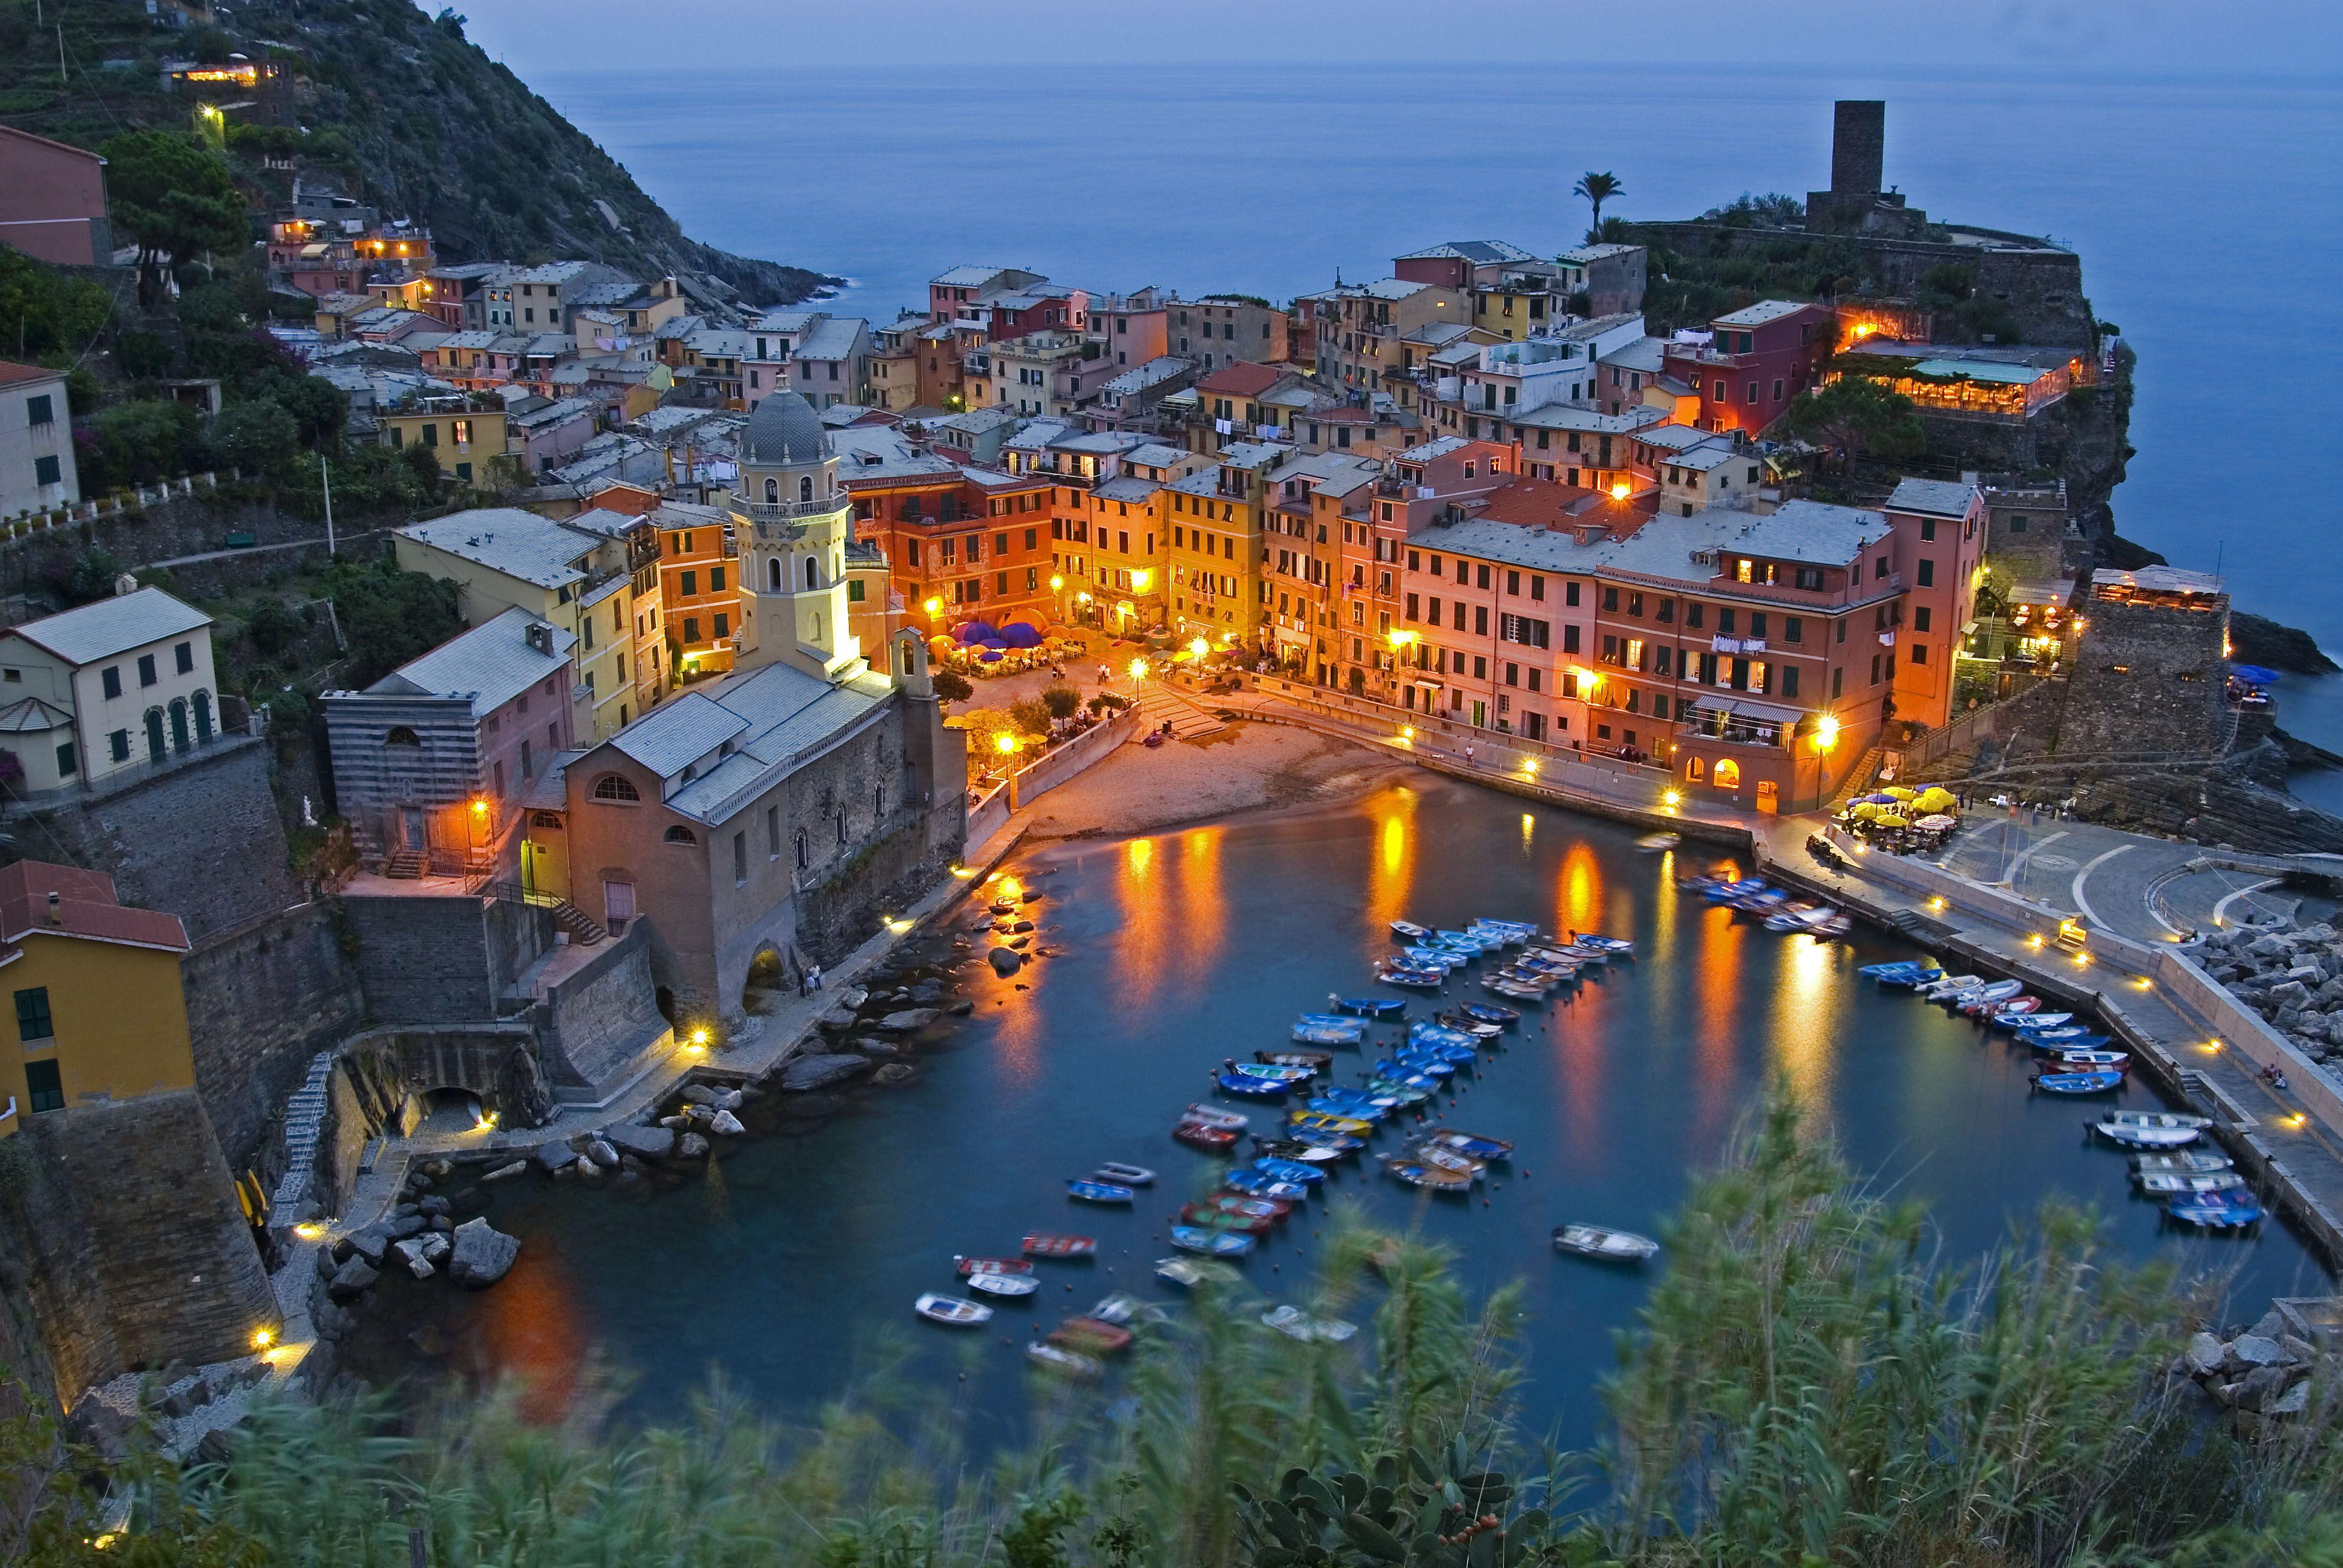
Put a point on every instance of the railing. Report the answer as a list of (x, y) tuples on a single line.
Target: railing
[(1392, 718), (41, 520), (790, 511)]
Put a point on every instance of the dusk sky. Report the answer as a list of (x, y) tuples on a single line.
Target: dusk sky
[(2286, 37)]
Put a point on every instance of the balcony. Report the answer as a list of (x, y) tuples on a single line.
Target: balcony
[(791, 511)]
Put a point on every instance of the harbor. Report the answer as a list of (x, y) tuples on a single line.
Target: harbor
[(1170, 958)]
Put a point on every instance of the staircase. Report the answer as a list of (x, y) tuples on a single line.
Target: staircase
[(404, 863), (584, 929), (305, 1119), (1157, 702), (1857, 782)]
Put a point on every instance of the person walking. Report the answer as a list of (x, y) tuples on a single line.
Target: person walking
[(815, 976), (1468, 754)]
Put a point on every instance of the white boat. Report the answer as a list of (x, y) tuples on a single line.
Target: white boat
[(1296, 1324), (1185, 1273), (2197, 1165), (1656, 842), (1124, 1175), (1604, 1242), (2157, 1119), (1227, 1120), (1408, 931), (1058, 1359), (1980, 995), (2165, 1183), (2130, 1135), (951, 1309), (1949, 985), (1005, 1285)]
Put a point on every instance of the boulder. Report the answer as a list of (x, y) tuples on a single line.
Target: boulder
[(588, 1171), (894, 1072), (700, 1094), (602, 1153), (1022, 926), (2293, 1401), (435, 1204), (2204, 1354), (2299, 1349), (552, 1157), (481, 1254), (877, 1048), (506, 1172), (691, 1146), (675, 1123), (962, 1008), (1019, 942), (836, 1020), (328, 1262), (435, 1245), (442, 1222), (416, 1257), (370, 1243), (853, 996), (352, 1279), (418, 1181), (732, 1100), (2254, 1350), (926, 993), (2261, 1386), (405, 1225), (330, 1321), (642, 1143), (1005, 961), (818, 1071), (726, 1123), (910, 1021)]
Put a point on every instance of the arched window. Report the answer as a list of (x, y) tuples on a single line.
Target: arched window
[(773, 492), (773, 573), (805, 850), (812, 575), (401, 735), (805, 486), (1728, 773), (680, 835), (816, 625), (611, 787)]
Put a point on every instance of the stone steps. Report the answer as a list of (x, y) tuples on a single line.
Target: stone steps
[(584, 928), (305, 1119), (1158, 703)]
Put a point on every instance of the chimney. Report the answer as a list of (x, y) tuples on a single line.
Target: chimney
[(124, 584), (56, 913)]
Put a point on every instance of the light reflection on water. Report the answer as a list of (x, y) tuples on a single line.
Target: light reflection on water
[(1170, 952)]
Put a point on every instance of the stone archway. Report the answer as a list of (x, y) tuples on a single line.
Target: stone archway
[(768, 981)]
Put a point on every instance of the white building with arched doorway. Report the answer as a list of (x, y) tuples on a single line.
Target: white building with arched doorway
[(113, 687)]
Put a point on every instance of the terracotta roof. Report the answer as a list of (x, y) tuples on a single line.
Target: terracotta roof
[(12, 373), (1539, 503), (85, 908), (1243, 378)]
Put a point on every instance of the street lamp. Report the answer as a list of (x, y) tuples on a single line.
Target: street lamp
[(1825, 733), (1198, 649)]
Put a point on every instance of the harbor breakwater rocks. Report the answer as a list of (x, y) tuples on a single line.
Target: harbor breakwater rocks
[(2293, 978)]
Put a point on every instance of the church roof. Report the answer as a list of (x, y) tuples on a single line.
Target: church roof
[(784, 430)]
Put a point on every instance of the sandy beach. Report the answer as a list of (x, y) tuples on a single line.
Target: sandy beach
[(1249, 766)]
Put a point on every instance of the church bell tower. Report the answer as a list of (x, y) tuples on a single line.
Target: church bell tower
[(793, 521)]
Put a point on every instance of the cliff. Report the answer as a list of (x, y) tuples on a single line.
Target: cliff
[(392, 105)]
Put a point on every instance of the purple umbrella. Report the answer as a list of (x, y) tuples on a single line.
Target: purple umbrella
[(991, 655), (1019, 635)]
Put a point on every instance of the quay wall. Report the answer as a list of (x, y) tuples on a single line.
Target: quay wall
[(991, 815)]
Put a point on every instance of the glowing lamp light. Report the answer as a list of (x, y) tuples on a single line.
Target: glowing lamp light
[(1057, 583), (1402, 639), (308, 1230), (1083, 599), (1672, 797), (1139, 580), (1004, 743), (898, 925), (933, 605), (1139, 669), (962, 872), (1825, 733), (1407, 732), (487, 1122), (1621, 491), (263, 1338), (1529, 766), (480, 807)]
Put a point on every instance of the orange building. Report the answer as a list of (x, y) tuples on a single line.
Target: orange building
[(699, 587)]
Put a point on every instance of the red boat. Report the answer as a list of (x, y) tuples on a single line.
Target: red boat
[(1210, 1214), (992, 1266), (1040, 1245), (1094, 1336), (1197, 1135), (1275, 1208)]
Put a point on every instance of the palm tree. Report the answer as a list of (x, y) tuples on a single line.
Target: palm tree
[(1597, 188)]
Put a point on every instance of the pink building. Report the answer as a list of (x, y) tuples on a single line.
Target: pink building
[(53, 200), (1939, 546)]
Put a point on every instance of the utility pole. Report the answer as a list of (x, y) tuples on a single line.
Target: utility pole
[(325, 476), (61, 73)]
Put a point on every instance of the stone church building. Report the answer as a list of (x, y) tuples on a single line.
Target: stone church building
[(774, 816)]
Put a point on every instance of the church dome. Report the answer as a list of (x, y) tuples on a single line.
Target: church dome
[(784, 432)]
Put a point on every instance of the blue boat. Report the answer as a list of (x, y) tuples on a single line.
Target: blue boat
[(1318, 1138), (1370, 1006), (1319, 1034), (1335, 1021), (1404, 1071), (1213, 1242), (1918, 978), (1423, 1032), (1410, 979), (1490, 1012), (1440, 958), (1253, 1088), (1725, 892), (1617, 947), (1357, 1103), (1888, 971), (1408, 1090), (2060, 1041), (1098, 1191), (2031, 1022), (1292, 1171), (1469, 1144), (2079, 1082), (2216, 1211), (1262, 1184)]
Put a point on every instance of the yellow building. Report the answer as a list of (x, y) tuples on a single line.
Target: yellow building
[(1213, 549), (463, 431), (94, 987), (596, 575), (1107, 551)]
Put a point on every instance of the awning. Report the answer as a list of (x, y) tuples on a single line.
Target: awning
[(1428, 683), (1745, 707), (1299, 638)]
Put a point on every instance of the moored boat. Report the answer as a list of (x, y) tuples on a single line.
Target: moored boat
[(1277, 1071), (1292, 1149), (1464, 1024), (1419, 1173), (1448, 1158), (1409, 931), (2095, 1082), (1489, 1012), (2031, 1021), (1250, 1086), (2215, 1211), (1262, 1184), (951, 1311), (1315, 1060), (1324, 1138), (1003, 1284), (969, 1267), (1970, 1001), (1091, 1336), (1410, 980), (1091, 1192), (1184, 1273), (1209, 1218), (1602, 1241), (1656, 843), (2134, 1135), (1946, 985), (2142, 1164), (1296, 1324), (1330, 1120), (1124, 1175), (1294, 1171), (2167, 1183), (1197, 1135), (1370, 1006), (1211, 1116), (2092, 1061), (1472, 1143), (2158, 1118), (1058, 1359), (1046, 1244), (1211, 1241)]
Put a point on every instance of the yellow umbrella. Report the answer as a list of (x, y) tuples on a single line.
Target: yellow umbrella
[(1867, 810), (1936, 800), (1888, 820), (1900, 792)]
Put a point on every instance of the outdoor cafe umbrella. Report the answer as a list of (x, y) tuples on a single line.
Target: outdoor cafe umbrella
[(1898, 792), (1937, 823), (1879, 799), (1889, 819), (2253, 674), (1865, 810)]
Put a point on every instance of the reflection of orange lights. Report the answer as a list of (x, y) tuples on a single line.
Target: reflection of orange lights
[(528, 1329)]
